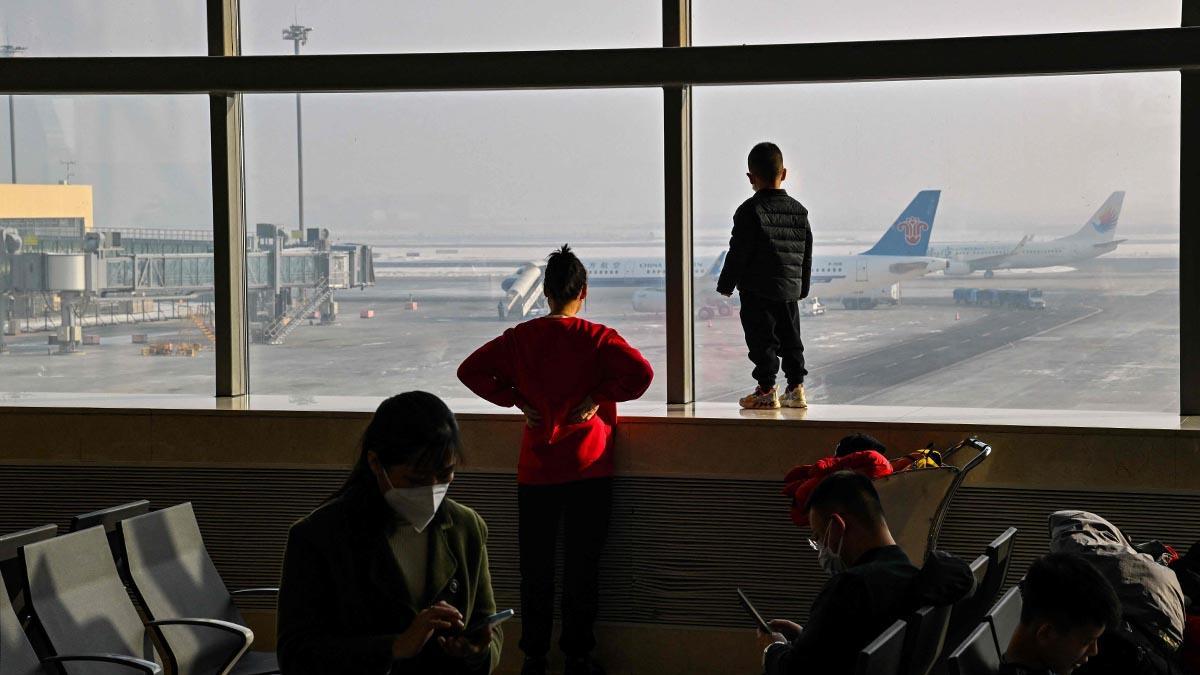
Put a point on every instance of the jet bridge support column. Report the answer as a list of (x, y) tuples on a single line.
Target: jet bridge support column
[(3, 320)]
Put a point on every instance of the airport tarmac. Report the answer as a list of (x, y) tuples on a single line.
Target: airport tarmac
[(1108, 340)]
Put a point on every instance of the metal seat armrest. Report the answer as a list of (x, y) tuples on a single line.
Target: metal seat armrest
[(245, 633), (228, 627), (139, 665), (247, 592)]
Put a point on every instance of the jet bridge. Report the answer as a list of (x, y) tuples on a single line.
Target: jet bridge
[(285, 280), (523, 294)]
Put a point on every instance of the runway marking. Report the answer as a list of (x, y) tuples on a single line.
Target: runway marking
[(1094, 312), (918, 356), (942, 348)]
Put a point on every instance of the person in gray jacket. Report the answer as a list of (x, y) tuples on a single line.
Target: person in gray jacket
[(1152, 601)]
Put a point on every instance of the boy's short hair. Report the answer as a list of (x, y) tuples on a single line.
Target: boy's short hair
[(765, 160), (847, 492), (1068, 591), (565, 276), (858, 443)]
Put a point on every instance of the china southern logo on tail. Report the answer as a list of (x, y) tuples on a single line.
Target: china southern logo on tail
[(912, 228), (909, 234)]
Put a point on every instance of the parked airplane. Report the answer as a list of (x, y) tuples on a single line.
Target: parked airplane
[(654, 300), (523, 289), (900, 254), (1096, 237)]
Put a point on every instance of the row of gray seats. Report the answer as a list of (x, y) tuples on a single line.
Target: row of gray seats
[(914, 645), (981, 652), (128, 590)]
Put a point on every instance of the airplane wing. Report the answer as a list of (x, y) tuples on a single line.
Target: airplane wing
[(1000, 257)]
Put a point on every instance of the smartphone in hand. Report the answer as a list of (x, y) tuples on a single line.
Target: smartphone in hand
[(758, 619)]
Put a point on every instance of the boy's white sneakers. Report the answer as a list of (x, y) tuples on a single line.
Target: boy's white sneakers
[(794, 398), (761, 400)]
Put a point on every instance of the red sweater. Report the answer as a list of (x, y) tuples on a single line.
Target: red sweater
[(552, 364)]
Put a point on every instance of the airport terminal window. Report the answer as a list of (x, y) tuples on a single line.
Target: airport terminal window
[(383, 26), (103, 28), (725, 22), (1036, 176), (106, 264), (455, 197)]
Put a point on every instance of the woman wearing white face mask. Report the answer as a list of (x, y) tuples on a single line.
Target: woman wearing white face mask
[(385, 574)]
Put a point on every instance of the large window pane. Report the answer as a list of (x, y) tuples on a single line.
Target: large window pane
[(1027, 169), (106, 271), (104, 27), (722, 22), (455, 193), (379, 26)]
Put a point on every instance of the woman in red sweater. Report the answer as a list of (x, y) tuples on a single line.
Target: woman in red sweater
[(566, 374)]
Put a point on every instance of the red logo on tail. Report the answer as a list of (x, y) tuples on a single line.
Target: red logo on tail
[(912, 228)]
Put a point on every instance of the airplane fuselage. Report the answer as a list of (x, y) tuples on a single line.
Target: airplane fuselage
[(1014, 255), (839, 276)]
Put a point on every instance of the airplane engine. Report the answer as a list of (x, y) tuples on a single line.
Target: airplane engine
[(958, 269)]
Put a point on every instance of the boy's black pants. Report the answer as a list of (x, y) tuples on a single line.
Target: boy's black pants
[(772, 330), (584, 507)]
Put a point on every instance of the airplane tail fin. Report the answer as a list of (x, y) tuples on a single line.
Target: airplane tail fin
[(1102, 226), (718, 265), (909, 235)]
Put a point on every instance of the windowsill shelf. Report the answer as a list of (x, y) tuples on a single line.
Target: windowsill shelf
[(726, 413)]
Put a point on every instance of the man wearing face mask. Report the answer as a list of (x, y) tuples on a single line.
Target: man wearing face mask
[(868, 589), (384, 576)]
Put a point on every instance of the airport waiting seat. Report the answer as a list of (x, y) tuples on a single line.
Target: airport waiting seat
[(18, 657), (969, 611), (924, 638), (882, 656), (999, 554), (81, 607), (10, 564), (172, 575), (977, 655), (1004, 617), (916, 500), (108, 519)]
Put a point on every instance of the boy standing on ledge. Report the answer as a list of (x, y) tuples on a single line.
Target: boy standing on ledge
[(770, 264), (566, 374)]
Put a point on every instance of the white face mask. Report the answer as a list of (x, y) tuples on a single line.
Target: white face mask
[(827, 558), (416, 505)]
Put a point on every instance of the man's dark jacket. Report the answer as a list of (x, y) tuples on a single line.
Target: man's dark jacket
[(856, 605), (770, 252), (343, 599)]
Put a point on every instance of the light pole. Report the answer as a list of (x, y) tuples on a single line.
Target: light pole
[(299, 36), (9, 51)]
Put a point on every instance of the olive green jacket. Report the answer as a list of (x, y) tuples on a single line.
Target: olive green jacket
[(343, 600)]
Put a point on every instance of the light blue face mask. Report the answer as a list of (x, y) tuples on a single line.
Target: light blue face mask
[(827, 558)]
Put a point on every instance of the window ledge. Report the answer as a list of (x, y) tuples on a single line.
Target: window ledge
[(631, 413)]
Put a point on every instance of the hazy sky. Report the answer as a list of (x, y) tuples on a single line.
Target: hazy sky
[(1010, 154)]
